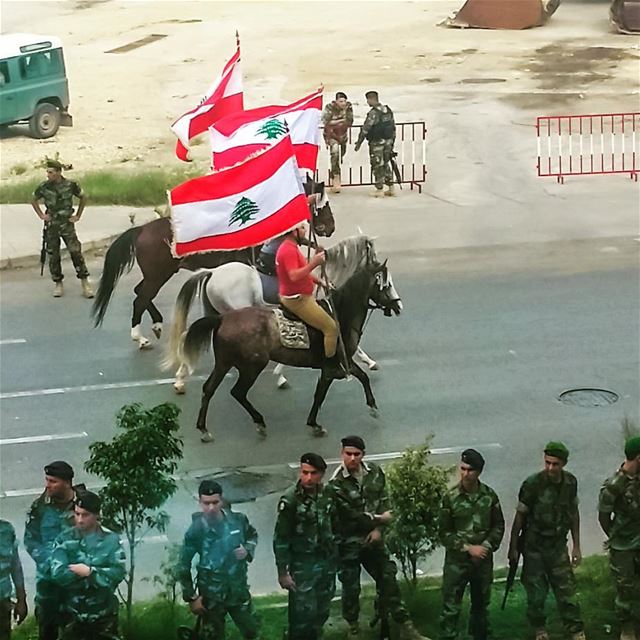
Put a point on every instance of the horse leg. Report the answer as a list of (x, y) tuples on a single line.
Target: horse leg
[(372, 364), (208, 389), (366, 385), (156, 318), (146, 291), (282, 383), (181, 375), (136, 318), (248, 375), (324, 382)]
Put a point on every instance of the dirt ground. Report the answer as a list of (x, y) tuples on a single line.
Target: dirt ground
[(123, 103)]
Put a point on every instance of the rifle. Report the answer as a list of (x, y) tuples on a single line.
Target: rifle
[(513, 568), (43, 249), (394, 167)]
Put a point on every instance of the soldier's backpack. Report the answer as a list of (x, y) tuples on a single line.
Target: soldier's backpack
[(385, 128)]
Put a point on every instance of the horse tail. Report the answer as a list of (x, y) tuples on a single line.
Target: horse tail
[(199, 336), (118, 260), (193, 285)]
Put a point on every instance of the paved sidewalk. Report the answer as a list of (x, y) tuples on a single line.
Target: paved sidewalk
[(21, 231)]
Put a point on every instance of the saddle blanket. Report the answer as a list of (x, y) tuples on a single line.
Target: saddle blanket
[(293, 333)]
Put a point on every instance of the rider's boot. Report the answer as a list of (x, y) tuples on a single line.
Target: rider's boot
[(58, 290), (87, 291)]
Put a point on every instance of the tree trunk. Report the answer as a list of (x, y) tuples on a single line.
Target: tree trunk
[(132, 570)]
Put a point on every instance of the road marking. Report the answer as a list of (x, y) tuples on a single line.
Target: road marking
[(13, 341), (21, 493), (380, 457), (47, 438)]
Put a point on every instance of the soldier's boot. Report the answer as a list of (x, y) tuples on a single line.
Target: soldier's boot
[(391, 190), (336, 184), (354, 630), (579, 636), (628, 633), (87, 291), (378, 193), (58, 290), (541, 634), (409, 632)]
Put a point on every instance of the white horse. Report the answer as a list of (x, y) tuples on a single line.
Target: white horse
[(235, 285)]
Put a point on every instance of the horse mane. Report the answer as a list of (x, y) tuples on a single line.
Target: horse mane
[(347, 257)]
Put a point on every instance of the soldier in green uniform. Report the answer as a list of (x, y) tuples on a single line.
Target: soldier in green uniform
[(49, 515), (547, 510), (619, 516), (225, 542), (57, 193), (87, 565), (304, 548), (379, 129), (10, 577), (471, 530), (337, 118), (362, 509)]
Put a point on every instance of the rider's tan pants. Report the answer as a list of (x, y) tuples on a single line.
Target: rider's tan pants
[(309, 311)]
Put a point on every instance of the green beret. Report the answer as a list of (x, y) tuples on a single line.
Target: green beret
[(473, 458), (54, 164), (632, 448), (353, 441), (313, 459), (89, 501), (59, 469), (557, 450), (209, 488)]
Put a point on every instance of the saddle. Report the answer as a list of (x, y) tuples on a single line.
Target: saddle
[(294, 333)]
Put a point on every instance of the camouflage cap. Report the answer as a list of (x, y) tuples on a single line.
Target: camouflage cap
[(473, 458), (353, 441), (209, 488), (632, 448), (59, 469), (313, 459), (371, 94), (557, 450), (89, 501), (54, 164)]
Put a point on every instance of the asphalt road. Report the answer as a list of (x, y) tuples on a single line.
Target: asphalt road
[(488, 340)]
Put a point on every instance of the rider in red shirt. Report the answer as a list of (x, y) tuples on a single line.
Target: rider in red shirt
[(296, 285)]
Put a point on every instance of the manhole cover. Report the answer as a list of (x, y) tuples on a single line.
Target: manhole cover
[(246, 486), (588, 397)]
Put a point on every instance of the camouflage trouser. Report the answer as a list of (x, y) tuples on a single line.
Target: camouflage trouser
[(549, 566), (460, 570), (337, 151), (48, 610), (376, 562), (65, 230), (242, 613), (309, 604), (625, 567), (103, 629), (5, 619), (380, 158)]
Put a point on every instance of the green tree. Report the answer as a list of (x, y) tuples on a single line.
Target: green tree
[(169, 578), (137, 466), (416, 489)]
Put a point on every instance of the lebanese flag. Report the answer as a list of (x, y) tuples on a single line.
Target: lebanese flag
[(236, 137), (241, 206), (223, 98)]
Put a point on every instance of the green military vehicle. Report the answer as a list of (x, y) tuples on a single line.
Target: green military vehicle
[(33, 83)]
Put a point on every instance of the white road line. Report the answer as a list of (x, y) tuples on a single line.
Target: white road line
[(14, 341), (46, 438), (378, 457)]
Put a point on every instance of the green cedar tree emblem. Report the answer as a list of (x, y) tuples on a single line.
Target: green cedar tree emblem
[(273, 129), (244, 211)]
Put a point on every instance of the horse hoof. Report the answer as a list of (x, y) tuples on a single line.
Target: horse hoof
[(206, 437), (318, 431), (179, 388), (283, 383), (373, 366), (374, 412), (157, 330), (262, 430), (144, 344)]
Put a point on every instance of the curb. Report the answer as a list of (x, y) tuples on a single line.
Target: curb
[(89, 248)]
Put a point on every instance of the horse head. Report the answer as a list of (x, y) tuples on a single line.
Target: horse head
[(383, 292), (322, 218)]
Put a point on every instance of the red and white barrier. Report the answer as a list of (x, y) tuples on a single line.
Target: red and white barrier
[(595, 144)]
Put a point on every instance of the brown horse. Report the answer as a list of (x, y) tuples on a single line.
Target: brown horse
[(247, 339), (150, 246)]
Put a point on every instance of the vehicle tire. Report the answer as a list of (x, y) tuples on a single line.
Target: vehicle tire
[(45, 121)]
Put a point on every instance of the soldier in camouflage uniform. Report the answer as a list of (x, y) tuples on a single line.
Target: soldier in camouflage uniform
[(362, 509), (547, 510), (379, 129), (471, 530), (57, 193), (225, 542), (304, 548), (337, 118), (10, 572), (87, 565), (49, 515), (619, 516)]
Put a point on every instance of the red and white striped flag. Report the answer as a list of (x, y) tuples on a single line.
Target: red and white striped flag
[(241, 206), (236, 137), (224, 97)]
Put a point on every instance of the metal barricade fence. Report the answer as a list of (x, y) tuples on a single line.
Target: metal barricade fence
[(594, 144), (411, 159)]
